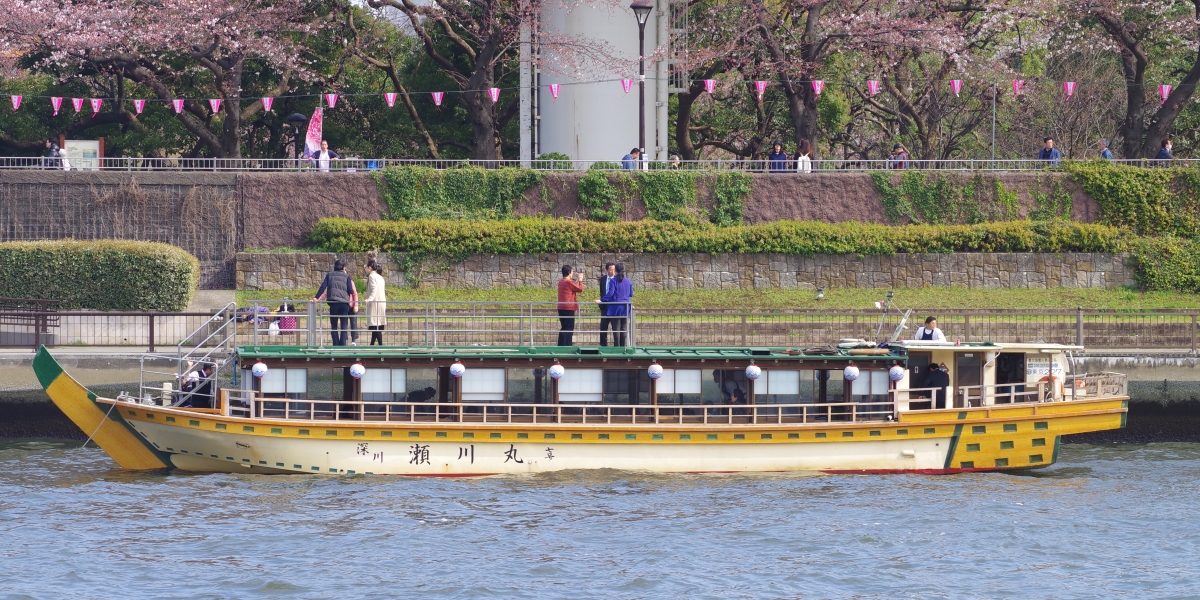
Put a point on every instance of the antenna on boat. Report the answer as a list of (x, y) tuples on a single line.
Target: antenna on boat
[(886, 305)]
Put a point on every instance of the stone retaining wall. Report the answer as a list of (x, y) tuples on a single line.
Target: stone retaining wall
[(304, 270)]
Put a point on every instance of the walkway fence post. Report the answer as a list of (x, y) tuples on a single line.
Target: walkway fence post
[(1079, 326)]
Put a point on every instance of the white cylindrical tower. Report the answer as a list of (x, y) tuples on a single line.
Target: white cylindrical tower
[(596, 120)]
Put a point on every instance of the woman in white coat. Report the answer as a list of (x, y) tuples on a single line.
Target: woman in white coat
[(804, 157), (376, 302)]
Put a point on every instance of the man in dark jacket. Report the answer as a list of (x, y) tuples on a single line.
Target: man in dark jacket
[(1049, 154), (939, 378), (1164, 157), (777, 159), (343, 300), (610, 271)]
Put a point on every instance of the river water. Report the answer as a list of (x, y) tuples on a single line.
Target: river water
[(1106, 521)]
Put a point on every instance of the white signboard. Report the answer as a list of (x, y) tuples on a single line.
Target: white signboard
[(1037, 367), (83, 154)]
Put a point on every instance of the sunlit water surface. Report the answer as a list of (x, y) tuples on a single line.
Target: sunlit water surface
[(1112, 521)]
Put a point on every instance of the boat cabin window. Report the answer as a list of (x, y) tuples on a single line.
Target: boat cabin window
[(529, 386), (871, 386), (581, 385), (420, 385), (720, 385), (384, 385), (285, 383), (679, 386), (483, 385), (778, 386), (626, 386)]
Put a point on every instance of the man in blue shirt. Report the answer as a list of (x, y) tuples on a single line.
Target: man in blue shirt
[(629, 162), (777, 159), (1105, 153), (1049, 154)]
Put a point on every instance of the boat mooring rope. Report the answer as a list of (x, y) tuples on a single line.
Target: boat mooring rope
[(110, 409)]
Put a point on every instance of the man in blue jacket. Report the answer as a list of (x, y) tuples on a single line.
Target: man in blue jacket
[(777, 159), (629, 162), (1049, 154), (606, 277), (1105, 153)]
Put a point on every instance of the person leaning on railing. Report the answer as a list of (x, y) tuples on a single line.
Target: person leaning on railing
[(343, 300)]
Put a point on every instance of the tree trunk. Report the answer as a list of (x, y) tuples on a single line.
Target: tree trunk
[(479, 104), (683, 122)]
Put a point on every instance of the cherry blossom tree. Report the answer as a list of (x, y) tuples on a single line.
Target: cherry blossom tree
[(165, 47), (1158, 37)]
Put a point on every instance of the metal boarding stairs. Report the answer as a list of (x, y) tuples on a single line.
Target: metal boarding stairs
[(211, 344)]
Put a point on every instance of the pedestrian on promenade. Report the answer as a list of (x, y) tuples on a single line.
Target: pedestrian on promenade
[(618, 297), (804, 157), (1165, 157), (343, 300), (321, 158), (568, 304), (777, 159), (930, 331), (1105, 153), (1049, 154), (629, 162), (376, 302), (605, 278), (899, 159)]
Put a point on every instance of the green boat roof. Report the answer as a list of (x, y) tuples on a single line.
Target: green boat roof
[(549, 352)]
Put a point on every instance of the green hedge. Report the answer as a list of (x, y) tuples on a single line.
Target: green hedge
[(1167, 264), (413, 192), (1148, 201), (103, 275), (547, 236)]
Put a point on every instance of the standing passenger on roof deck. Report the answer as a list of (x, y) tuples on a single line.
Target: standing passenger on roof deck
[(617, 298), (930, 331), (343, 300)]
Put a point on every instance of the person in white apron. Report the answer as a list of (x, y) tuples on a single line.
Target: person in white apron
[(930, 331)]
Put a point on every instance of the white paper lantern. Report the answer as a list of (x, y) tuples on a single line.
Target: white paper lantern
[(259, 370), (851, 373), (753, 372), (557, 372), (896, 373), (654, 371), (457, 369), (357, 370)]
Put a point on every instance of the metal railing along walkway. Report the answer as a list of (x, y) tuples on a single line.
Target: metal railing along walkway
[(351, 165)]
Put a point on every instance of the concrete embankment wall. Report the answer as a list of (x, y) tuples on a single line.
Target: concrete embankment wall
[(215, 215), (292, 270)]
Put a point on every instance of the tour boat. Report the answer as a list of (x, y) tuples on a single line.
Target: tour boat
[(486, 410)]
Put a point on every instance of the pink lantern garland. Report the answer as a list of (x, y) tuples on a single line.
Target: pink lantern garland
[(178, 104), (760, 87), (1018, 86), (16, 102), (817, 86), (77, 103), (554, 87), (56, 103), (1163, 92), (494, 93), (956, 85), (267, 102), (214, 104), (1068, 88), (139, 106), (872, 88), (331, 100), (627, 84), (96, 102), (391, 99), (710, 85), (437, 98)]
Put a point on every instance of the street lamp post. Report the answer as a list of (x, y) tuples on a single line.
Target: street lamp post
[(297, 121), (641, 9)]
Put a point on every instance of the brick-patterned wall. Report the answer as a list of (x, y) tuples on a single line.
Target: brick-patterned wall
[(299, 270)]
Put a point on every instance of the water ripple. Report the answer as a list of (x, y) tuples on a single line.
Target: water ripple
[(1107, 521)]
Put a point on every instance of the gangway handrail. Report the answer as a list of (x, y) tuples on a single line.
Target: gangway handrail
[(216, 348)]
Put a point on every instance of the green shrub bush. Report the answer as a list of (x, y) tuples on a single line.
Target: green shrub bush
[(414, 192), (102, 275), (1148, 201), (540, 236), (1167, 264)]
